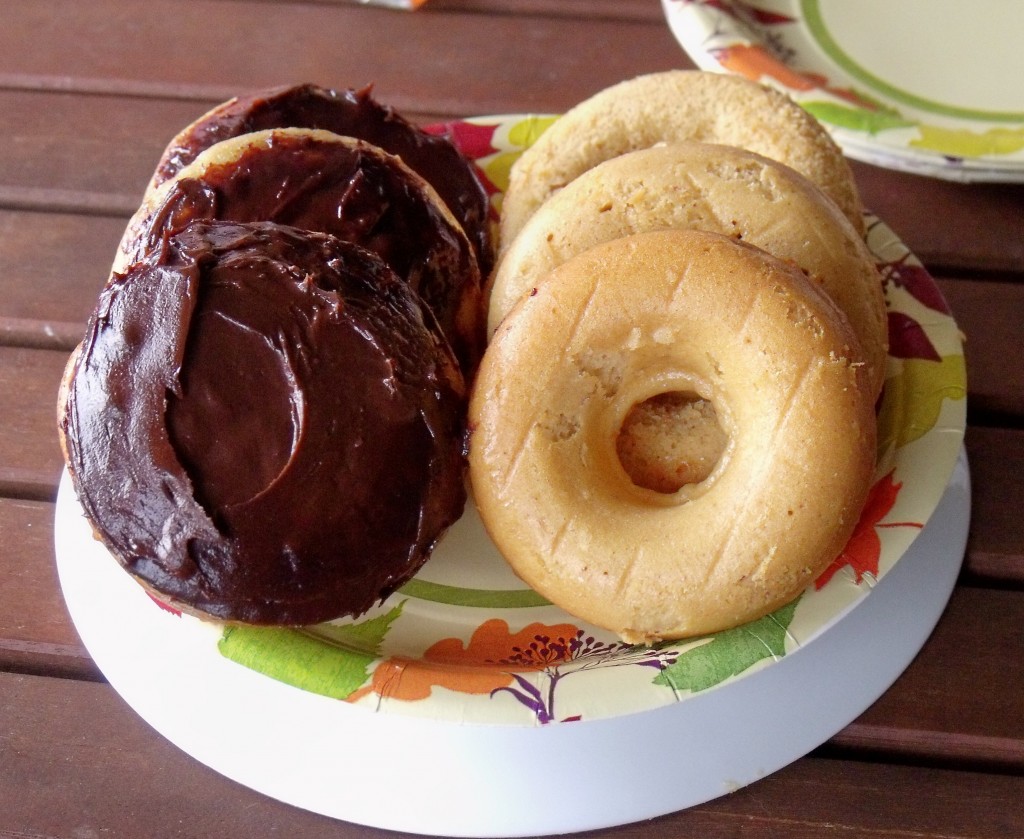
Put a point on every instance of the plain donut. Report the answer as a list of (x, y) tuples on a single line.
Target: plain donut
[(668, 107), (653, 313), (708, 187)]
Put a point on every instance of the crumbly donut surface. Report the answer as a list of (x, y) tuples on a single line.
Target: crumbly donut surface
[(668, 107), (712, 187), (671, 312)]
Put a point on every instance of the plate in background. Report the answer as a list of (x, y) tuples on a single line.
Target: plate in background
[(934, 87)]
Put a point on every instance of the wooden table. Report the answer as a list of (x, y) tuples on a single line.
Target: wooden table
[(91, 90)]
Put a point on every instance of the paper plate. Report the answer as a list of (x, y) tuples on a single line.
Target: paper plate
[(934, 87), (513, 699)]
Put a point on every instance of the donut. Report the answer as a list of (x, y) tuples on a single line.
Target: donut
[(353, 113), (702, 316), (263, 425), (710, 187), (320, 181), (667, 107)]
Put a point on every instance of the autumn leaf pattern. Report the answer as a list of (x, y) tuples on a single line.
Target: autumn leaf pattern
[(450, 663), (528, 665), (329, 660), (729, 653), (559, 656), (864, 548)]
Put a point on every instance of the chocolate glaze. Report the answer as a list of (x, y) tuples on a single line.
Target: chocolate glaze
[(351, 113), (351, 190), (263, 426)]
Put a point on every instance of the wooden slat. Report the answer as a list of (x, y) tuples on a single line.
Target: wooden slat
[(30, 460), (950, 226), (146, 47), (995, 545), (608, 9), (36, 634), (936, 711), (53, 265), (52, 133), (112, 772), (991, 315), (91, 154), (122, 136)]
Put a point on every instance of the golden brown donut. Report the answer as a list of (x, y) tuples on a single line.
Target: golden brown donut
[(712, 187), (686, 312), (667, 107)]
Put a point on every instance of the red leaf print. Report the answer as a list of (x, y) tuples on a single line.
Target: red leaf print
[(907, 339), (918, 282), (863, 549), (472, 140)]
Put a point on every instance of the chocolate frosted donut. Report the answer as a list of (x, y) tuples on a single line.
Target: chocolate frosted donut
[(262, 426), (316, 180), (353, 113)]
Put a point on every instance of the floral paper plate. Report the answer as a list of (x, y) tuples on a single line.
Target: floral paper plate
[(928, 86), (467, 647)]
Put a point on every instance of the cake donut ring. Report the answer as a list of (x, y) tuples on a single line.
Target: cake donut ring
[(319, 181), (262, 425), (633, 319), (351, 113), (704, 186), (667, 107)]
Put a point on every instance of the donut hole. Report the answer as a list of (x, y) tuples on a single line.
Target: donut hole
[(671, 440)]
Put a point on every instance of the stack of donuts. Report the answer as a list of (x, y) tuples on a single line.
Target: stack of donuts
[(265, 420), (672, 430)]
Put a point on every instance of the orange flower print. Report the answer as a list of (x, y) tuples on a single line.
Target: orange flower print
[(468, 668), (528, 665), (864, 548), (755, 62)]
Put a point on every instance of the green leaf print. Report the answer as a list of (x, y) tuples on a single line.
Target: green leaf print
[(729, 653), (856, 119), (522, 135), (527, 131), (331, 660)]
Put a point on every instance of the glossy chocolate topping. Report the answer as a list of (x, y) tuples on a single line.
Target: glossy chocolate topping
[(346, 188), (352, 113), (262, 426)]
